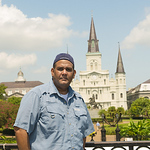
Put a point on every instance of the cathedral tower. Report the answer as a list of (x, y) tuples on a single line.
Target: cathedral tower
[(120, 82), (93, 56)]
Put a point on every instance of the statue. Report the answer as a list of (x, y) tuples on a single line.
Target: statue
[(92, 102)]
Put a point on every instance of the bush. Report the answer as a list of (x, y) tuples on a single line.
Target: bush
[(8, 114), (9, 132)]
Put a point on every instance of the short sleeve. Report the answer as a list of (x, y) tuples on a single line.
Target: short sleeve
[(28, 112)]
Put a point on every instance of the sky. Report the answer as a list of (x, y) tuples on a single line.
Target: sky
[(33, 32)]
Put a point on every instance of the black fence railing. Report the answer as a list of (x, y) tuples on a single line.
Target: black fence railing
[(122, 145)]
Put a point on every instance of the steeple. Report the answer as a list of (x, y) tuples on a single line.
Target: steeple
[(92, 42), (120, 68)]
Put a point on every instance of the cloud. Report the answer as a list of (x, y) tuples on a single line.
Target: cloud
[(16, 60), (43, 69), (139, 35), (19, 32)]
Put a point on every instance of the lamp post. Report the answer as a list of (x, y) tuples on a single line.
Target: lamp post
[(103, 131)]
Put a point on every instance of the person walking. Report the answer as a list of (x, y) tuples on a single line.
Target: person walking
[(53, 116), (98, 126)]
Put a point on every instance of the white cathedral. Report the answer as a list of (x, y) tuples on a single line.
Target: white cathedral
[(96, 83)]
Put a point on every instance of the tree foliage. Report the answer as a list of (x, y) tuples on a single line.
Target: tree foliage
[(8, 112), (102, 111), (140, 106), (14, 100), (2, 91), (120, 110), (112, 111)]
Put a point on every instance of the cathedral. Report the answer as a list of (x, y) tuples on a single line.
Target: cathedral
[(96, 83)]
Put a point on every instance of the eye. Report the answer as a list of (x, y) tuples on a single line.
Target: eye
[(60, 68), (69, 69)]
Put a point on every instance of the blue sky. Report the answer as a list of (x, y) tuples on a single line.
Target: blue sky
[(33, 32)]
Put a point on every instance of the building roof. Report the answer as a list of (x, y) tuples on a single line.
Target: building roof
[(92, 42), (22, 84), (143, 87), (120, 68)]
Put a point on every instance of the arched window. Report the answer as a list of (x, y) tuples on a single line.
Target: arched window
[(146, 97), (113, 96), (96, 96), (91, 66), (121, 95), (83, 82), (104, 81), (95, 65)]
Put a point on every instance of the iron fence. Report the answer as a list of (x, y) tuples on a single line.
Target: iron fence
[(122, 145)]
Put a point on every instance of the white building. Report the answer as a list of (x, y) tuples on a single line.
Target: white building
[(20, 87), (95, 82), (142, 90)]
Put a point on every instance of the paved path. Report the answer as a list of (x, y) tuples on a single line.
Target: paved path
[(97, 138)]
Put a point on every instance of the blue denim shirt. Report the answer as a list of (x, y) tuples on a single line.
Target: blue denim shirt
[(51, 122)]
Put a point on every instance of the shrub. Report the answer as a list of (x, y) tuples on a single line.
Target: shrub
[(8, 114)]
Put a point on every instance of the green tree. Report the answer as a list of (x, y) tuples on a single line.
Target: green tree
[(14, 100), (140, 106), (112, 111), (120, 110), (102, 111), (2, 91)]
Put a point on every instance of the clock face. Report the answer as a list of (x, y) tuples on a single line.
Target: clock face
[(94, 77)]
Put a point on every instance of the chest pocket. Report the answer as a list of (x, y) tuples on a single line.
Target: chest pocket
[(80, 117), (55, 117)]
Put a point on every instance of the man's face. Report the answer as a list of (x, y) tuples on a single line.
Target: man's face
[(63, 73)]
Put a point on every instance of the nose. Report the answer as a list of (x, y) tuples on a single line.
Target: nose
[(64, 71)]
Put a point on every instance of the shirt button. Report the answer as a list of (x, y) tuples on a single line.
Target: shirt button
[(71, 134)]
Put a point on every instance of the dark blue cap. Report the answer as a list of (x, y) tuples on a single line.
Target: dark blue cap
[(63, 56)]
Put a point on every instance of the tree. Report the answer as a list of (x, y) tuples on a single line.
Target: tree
[(120, 110), (14, 100), (2, 91), (140, 106), (112, 111), (102, 111)]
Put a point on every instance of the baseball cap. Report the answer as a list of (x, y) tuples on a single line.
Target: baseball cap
[(63, 56)]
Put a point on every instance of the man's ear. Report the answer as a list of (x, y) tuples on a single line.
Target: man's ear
[(52, 72), (74, 74)]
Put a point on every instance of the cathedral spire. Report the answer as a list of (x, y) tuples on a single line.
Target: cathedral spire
[(120, 68), (92, 42)]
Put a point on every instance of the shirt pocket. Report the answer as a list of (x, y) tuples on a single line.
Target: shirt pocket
[(80, 117), (55, 118)]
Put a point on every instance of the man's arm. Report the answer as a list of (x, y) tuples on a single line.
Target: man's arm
[(84, 141), (22, 138)]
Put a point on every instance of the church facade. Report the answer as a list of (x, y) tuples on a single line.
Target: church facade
[(96, 83)]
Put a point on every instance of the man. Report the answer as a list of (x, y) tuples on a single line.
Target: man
[(52, 116)]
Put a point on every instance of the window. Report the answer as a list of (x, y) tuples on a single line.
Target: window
[(95, 65), (93, 43), (113, 96), (23, 91), (96, 96), (104, 81), (91, 66), (83, 82), (121, 95), (9, 92)]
